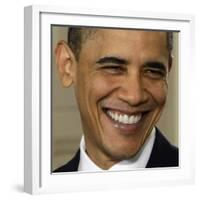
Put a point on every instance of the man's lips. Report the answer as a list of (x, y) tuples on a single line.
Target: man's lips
[(124, 117)]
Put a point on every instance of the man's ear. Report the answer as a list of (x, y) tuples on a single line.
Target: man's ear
[(65, 61)]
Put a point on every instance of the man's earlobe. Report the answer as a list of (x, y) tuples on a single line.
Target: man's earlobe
[(65, 61)]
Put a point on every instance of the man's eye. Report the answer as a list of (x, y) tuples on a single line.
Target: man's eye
[(155, 74), (113, 69)]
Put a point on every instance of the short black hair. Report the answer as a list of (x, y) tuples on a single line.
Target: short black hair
[(170, 40), (77, 35)]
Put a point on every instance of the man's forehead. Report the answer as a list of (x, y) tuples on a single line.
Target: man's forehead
[(125, 44), (104, 35), (91, 33), (80, 37)]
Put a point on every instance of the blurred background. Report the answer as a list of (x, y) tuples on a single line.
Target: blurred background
[(66, 125)]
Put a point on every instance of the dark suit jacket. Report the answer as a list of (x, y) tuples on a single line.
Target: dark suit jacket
[(163, 155)]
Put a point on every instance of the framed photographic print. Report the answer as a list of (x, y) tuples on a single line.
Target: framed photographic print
[(106, 99)]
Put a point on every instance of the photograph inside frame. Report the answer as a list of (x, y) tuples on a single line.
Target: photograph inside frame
[(114, 99)]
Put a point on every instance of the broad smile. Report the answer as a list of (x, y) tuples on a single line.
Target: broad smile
[(124, 118), (126, 122)]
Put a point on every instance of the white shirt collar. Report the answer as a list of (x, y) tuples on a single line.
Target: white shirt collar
[(139, 161)]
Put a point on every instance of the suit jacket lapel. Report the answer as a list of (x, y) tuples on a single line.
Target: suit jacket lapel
[(163, 153)]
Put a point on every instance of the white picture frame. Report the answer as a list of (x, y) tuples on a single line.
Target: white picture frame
[(37, 133)]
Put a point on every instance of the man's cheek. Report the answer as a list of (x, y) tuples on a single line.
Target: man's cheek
[(160, 94), (163, 97)]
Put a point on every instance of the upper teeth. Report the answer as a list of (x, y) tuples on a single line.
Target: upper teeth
[(124, 118)]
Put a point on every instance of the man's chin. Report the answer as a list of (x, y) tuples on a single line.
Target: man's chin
[(121, 154)]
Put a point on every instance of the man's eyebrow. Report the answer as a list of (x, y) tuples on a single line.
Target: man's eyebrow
[(113, 60), (156, 65)]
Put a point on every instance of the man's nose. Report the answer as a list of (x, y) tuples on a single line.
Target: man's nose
[(133, 90)]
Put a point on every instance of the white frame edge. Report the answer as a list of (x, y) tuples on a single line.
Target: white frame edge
[(33, 171), (31, 99)]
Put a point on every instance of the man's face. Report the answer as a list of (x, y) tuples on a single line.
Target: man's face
[(121, 86)]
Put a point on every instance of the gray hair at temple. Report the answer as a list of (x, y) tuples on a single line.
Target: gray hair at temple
[(77, 36)]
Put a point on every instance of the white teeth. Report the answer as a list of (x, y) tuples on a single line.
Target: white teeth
[(131, 119), (124, 118), (120, 118), (115, 116)]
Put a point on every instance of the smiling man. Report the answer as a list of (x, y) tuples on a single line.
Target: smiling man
[(120, 78)]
